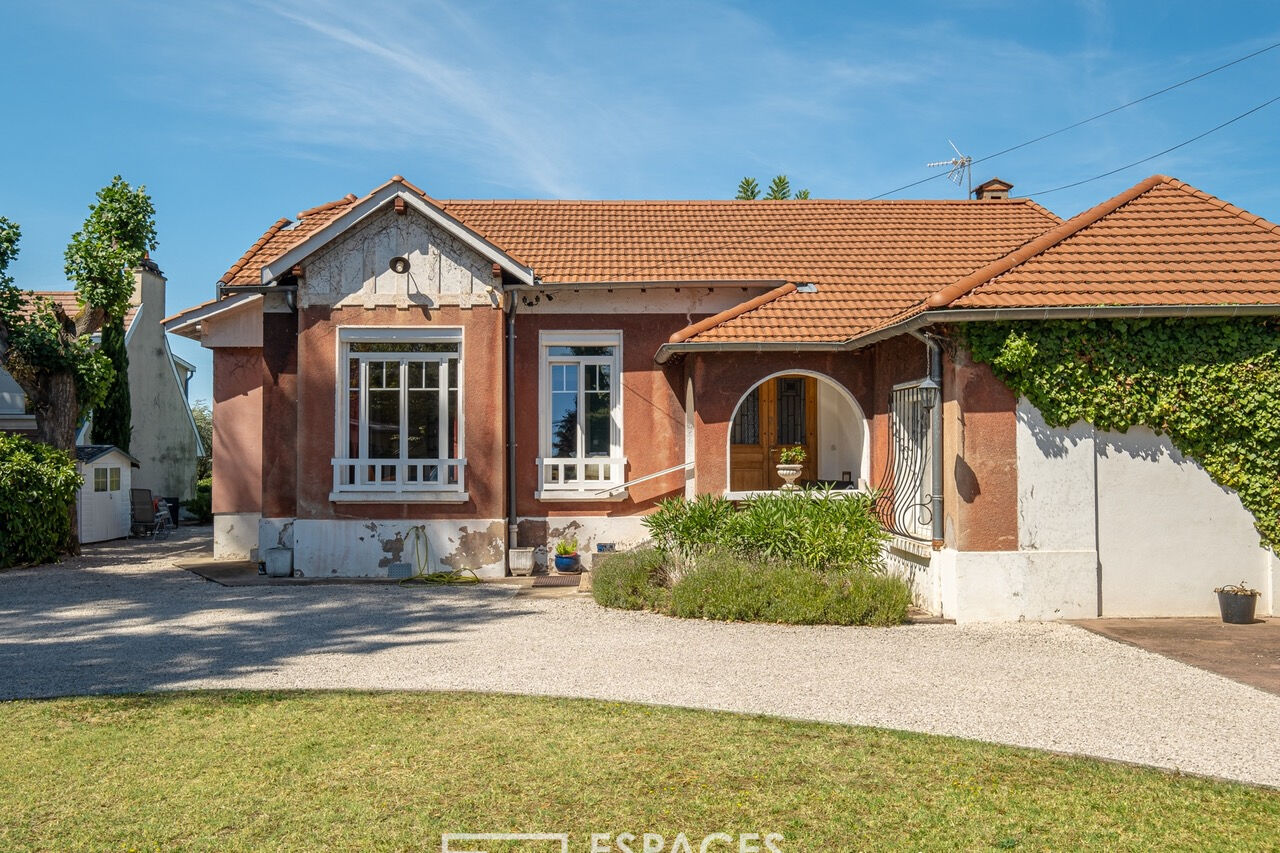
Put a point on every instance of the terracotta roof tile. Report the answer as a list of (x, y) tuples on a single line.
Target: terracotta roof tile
[(870, 259), (1162, 242)]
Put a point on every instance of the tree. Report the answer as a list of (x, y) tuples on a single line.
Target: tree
[(45, 352), (203, 416), (779, 190), (100, 258)]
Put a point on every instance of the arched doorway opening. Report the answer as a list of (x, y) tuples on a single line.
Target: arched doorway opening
[(797, 409)]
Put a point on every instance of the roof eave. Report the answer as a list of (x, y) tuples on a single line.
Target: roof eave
[(372, 204), (972, 315)]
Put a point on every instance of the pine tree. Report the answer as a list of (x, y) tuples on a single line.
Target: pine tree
[(748, 190)]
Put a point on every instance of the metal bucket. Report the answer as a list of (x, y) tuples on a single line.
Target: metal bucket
[(1237, 608), (279, 562)]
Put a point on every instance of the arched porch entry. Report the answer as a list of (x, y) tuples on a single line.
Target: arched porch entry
[(802, 408)]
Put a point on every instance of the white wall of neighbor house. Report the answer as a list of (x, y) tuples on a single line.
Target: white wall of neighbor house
[(163, 437)]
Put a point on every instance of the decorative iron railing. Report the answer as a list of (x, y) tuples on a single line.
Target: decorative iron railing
[(905, 506)]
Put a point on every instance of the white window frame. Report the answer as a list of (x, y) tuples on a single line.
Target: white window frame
[(611, 469), (409, 483)]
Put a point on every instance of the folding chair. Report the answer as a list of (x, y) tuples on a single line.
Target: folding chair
[(145, 519)]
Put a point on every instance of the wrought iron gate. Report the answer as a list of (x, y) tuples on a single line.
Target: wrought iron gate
[(905, 505)]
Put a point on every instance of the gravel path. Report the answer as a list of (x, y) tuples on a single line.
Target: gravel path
[(122, 619)]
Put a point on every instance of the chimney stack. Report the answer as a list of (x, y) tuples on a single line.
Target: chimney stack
[(994, 188)]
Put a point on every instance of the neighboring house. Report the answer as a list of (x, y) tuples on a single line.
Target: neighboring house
[(513, 373), (164, 441)]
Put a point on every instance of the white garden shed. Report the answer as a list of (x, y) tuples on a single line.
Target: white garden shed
[(103, 502)]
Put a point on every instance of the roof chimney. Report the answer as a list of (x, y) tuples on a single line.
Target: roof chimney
[(994, 188)]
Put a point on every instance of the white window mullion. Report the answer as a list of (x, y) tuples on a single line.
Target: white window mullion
[(364, 410), (402, 475), (442, 419)]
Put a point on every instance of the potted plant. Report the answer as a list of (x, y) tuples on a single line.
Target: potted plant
[(1237, 603), (790, 465), (567, 555)]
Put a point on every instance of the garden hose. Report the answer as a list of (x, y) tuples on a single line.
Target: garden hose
[(417, 539)]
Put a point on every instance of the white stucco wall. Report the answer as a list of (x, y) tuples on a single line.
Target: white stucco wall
[(1167, 535), (1109, 524), (163, 438), (840, 436)]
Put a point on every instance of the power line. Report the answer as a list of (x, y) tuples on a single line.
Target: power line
[(1082, 122), (1159, 153)]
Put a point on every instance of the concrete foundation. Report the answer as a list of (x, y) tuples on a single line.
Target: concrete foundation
[(235, 535), (365, 549)]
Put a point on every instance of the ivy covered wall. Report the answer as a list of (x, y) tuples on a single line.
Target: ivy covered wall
[(1212, 385)]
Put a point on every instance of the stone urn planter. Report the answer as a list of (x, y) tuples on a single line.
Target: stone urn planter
[(790, 466), (1237, 603), (789, 475)]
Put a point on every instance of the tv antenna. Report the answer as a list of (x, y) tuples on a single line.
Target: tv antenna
[(961, 167)]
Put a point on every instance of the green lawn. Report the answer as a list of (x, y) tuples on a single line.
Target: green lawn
[(348, 771)]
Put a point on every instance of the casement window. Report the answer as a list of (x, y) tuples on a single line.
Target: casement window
[(106, 479), (580, 414), (400, 409)]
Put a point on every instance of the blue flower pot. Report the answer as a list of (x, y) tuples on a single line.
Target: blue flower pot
[(566, 564)]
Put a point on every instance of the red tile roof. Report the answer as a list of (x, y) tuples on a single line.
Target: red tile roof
[(870, 259), (874, 263), (1161, 242)]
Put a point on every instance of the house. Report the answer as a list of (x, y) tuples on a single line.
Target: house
[(164, 442), (513, 373)]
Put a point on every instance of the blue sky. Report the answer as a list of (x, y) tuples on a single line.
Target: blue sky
[(236, 113)]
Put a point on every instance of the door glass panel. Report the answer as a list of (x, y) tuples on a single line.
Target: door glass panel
[(597, 395), (424, 422), (384, 410), (564, 411), (791, 411), (746, 426)]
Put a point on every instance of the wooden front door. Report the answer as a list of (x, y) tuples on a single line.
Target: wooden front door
[(781, 412)]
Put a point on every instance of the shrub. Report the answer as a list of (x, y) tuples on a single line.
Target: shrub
[(38, 484), (633, 580), (820, 529), (728, 587), (201, 506)]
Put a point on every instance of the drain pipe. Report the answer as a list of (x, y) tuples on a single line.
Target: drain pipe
[(513, 527), (934, 382)]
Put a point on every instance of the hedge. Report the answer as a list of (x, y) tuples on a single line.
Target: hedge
[(38, 485)]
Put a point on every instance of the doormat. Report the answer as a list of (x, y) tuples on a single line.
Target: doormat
[(556, 580)]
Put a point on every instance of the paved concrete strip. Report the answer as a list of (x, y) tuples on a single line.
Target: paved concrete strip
[(120, 620), (1247, 653)]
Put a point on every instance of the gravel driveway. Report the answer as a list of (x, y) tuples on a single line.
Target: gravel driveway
[(123, 619)]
